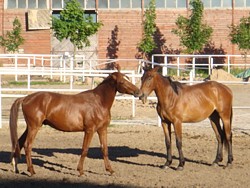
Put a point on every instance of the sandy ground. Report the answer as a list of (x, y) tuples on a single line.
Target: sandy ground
[(136, 151)]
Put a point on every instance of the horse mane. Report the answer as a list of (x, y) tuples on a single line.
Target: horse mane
[(176, 86), (105, 80)]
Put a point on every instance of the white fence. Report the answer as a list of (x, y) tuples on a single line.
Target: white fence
[(60, 67), (179, 62), (64, 68)]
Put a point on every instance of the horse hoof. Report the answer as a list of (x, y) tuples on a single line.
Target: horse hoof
[(229, 165), (80, 173), (165, 167), (111, 171), (180, 168), (214, 164)]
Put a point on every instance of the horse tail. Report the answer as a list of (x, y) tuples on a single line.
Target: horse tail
[(13, 127), (225, 141)]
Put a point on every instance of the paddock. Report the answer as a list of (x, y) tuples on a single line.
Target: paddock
[(136, 150)]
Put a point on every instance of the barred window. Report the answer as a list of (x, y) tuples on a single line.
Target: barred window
[(225, 3), (27, 4)]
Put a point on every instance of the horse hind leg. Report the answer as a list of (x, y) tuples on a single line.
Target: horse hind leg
[(32, 131), (16, 154), (227, 124), (215, 122)]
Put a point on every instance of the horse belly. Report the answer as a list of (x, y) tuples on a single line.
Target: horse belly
[(196, 115), (65, 123)]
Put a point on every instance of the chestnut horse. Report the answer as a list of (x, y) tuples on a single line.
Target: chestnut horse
[(179, 103), (87, 111)]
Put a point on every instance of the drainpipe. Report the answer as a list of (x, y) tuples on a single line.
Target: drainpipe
[(233, 46)]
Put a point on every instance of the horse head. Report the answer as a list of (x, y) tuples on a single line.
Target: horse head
[(147, 83), (123, 84)]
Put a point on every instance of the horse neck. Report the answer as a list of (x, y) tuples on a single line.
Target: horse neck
[(164, 92), (107, 92)]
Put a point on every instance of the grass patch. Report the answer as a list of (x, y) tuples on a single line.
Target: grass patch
[(21, 83)]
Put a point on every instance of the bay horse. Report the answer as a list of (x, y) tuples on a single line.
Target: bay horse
[(88, 111), (179, 103)]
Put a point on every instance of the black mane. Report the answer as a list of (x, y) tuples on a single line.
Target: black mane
[(176, 86)]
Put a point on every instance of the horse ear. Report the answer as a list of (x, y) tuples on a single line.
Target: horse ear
[(118, 67), (113, 76), (156, 68), (146, 67)]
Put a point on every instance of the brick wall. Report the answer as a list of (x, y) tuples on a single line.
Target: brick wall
[(36, 41), (129, 25), (129, 32), (130, 29)]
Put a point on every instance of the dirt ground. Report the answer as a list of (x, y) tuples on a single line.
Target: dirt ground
[(136, 151)]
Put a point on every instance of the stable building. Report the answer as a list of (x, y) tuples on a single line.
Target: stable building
[(122, 24)]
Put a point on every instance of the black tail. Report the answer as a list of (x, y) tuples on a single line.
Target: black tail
[(225, 141), (13, 127)]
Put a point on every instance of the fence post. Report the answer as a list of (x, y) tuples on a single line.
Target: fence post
[(71, 70), (193, 66), (15, 57), (165, 67), (133, 100), (29, 72), (0, 101)]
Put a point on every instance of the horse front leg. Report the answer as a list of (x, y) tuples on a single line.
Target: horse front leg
[(85, 147), (167, 133), (104, 147), (178, 135)]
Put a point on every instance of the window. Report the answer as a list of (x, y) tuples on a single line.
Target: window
[(87, 13), (136, 3), (206, 3), (31, 4), (125, 3), (90, 4), (114, 3), (171, 3), (86, 4), (226, 3), (181, 3), (103, 4), (239, 3), (57, 4), (247, 3), (22, 4), (216, 3), (146, 3), (27, 4), (160, 4)]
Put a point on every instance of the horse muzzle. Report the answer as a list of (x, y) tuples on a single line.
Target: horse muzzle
[(143, 98), (137, 93)]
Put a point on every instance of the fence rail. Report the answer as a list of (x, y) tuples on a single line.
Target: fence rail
[(208, 62)]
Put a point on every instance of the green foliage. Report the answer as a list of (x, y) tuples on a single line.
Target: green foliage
[(147, 44), (13, 39), (192, 32), (73, 25), (240, 34)]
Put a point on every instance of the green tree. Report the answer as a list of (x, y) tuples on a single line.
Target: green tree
[(240, 35), (192, 32), (147, 44), (13, 39), (74, 25)]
